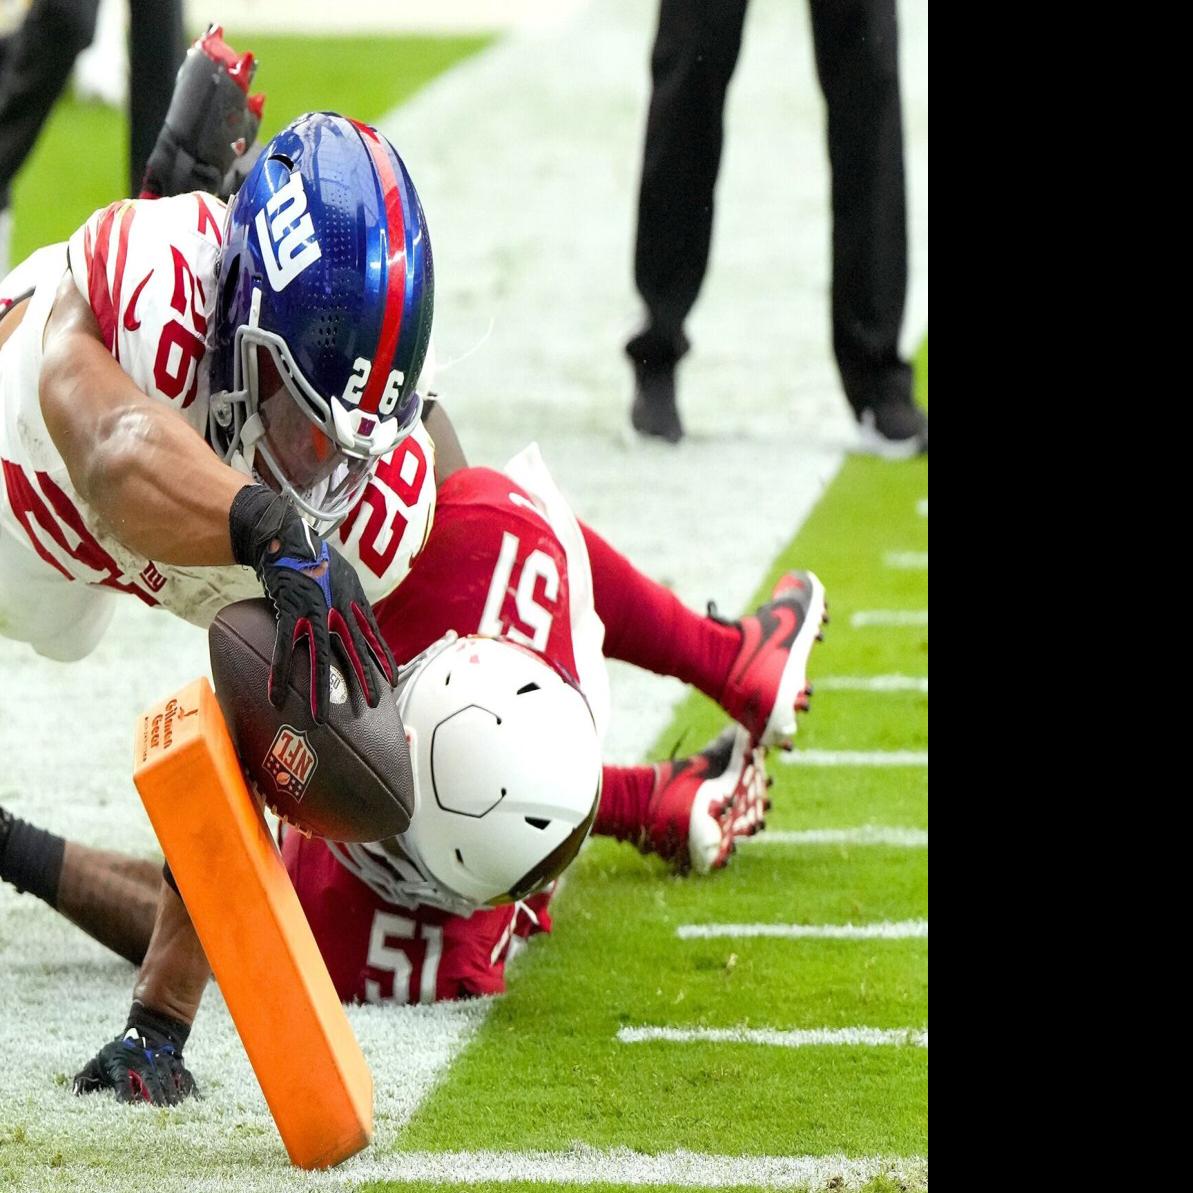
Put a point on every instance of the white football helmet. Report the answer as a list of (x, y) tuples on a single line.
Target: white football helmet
[(507, 767)]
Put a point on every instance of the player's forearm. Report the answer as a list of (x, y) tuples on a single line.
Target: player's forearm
[(151, 478), (175, 970), (158, 487), (110, 896)]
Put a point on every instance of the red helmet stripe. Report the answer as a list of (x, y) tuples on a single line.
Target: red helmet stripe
[(395, 271)]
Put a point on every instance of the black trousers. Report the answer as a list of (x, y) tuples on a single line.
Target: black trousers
[(36, 61), (695, 53)]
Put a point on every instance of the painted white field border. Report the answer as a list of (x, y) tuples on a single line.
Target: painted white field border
[(869, 834), (872, 683), (882, 930), (804, 1037), (582, 1165), (866, 618), (921, 507), (578, 1165), (853, 757), (908, 561)]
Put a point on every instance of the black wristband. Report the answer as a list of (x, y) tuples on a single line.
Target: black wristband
[(30, 858), (256, 517), (141, 1017)]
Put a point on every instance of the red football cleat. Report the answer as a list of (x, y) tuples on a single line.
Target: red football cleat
[(702, 804), (768, 680)]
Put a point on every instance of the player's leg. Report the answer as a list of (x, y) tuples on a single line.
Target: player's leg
[(755, 668), (693, 59), (689, 811), (37, 64), (110, 896), (156, 44), (59, 618), (649, 626), (857, 62)]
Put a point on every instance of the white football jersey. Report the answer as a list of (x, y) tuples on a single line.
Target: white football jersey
[(147, 268)]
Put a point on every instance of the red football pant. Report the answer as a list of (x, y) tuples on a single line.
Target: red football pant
[(647, 625)]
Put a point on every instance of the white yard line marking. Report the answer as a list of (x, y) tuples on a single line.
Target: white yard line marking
[(852, 757), (888, 617), (870, 834), (807, 1037), (581, 1165), (912, 561), (921, 507), (884, 930), (872, 683)]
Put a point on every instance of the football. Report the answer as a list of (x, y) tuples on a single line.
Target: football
[(348, 779)]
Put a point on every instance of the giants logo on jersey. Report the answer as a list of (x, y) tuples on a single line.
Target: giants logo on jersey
[(286, 234), (291, 762)]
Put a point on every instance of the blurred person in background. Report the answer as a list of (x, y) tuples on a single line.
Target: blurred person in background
[(695, 53), (37, 54)]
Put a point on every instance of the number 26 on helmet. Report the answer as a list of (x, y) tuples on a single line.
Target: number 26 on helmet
[(323, 314)]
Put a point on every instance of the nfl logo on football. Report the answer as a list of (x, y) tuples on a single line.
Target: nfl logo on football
[(291, 761)]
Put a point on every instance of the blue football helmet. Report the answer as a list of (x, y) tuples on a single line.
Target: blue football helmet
[(323, 315)]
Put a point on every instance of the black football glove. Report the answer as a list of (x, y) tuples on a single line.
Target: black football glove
[(211, 125), (315, 593), (145, 1064)]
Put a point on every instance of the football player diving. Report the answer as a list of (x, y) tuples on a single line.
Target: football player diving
[(194, 396), (411, 919), (436, 913)]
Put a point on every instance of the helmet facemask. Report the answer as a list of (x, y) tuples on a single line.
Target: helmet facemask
[(307, 447)]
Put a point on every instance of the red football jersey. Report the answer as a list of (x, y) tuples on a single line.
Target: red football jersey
[(491, 565), (378, 952)]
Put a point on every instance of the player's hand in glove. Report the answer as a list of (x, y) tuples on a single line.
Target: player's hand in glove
[(145, 1064), (211, 124), (315, 594)]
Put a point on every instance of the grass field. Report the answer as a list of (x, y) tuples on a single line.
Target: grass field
[(550, 1085), (80, 161), (616, 960)]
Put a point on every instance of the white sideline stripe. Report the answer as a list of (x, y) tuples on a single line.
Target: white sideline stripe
[(808, 1037), (853, 757), (908, 560), (883, 930), (921, 507), (889, 617), (870, 834), (582, 1165), (363, 17), (872, 683)]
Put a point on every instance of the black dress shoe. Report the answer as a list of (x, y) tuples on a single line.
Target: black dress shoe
[(654, 412), (895, 429)]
